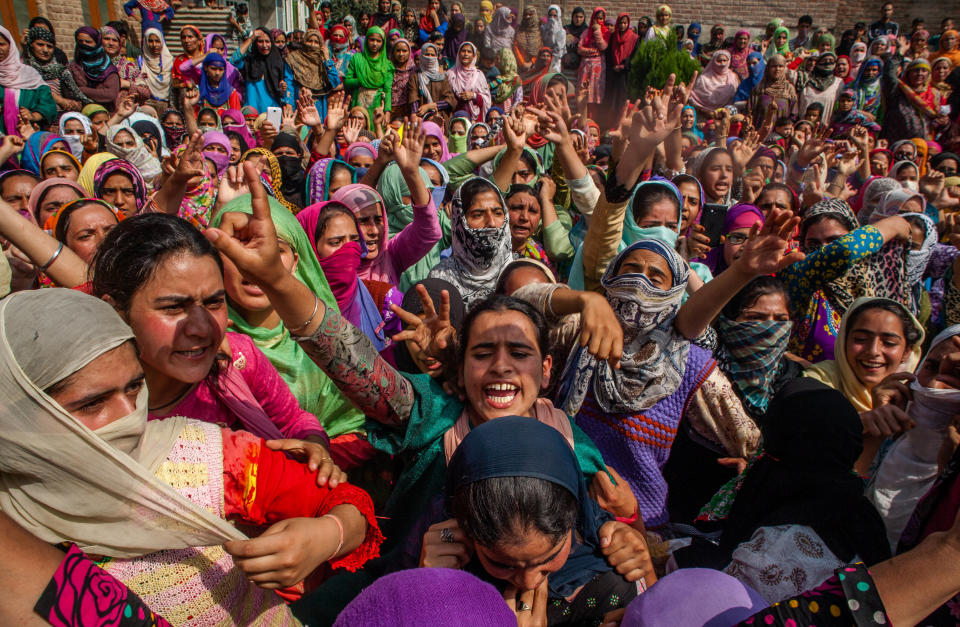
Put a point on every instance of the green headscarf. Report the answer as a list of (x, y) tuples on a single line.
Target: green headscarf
[(458, 143), (510, 80), (374, 72), (772, 48), (530, 152), (315, 392)]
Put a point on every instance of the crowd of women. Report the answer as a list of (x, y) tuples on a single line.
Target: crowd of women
[(414, 318)]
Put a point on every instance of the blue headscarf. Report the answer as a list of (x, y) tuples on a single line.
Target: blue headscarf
[(513, 446), (696, 39), (631, 230), (38, 145), (753, 78), (696, 131), (216, 96)]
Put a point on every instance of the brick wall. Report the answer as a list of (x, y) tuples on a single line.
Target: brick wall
[(66, 16)]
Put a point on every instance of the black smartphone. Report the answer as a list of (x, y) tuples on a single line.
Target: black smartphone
[(711, 218)]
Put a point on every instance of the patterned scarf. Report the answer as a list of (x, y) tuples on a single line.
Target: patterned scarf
[(751, 355), (274, 179), (51, 70), (654, 354)]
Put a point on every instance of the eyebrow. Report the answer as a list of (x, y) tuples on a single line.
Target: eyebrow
[(494, 345), (546, 560), (882, 333), (86, 400), (182, 299)]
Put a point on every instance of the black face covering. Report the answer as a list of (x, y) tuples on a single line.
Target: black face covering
[(294, 179)]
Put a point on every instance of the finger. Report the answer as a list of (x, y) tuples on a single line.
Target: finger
[(282, 444), (510, 596), (445, 306), (326, 469), (405, 316), (428, 309), (267, 544)]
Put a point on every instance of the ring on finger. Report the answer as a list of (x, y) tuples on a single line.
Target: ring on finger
[(446, 535), (523, 607)]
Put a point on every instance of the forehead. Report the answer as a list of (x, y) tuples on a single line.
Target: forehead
[(507, 327), (485, 199)]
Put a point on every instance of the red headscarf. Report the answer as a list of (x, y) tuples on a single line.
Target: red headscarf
[(586, 39), (623, 44)]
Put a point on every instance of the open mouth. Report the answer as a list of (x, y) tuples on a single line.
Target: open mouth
[(194, 354), (872, 367), (500, 395)]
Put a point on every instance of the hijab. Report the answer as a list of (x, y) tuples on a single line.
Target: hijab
[(577, 31), (479, 255), (37, 145), (772, 48), (402, 76), (220, 160), (51, 70), (509, 78), (822, 77), (654, 353), (41, 189), (953, 55), (75, 142), (840, 376), (216, 96), (527, 38), (307, 64), (753, 79), (499, 33), (739, 216), (267, 68), (866, 91), (14, 74), (463, 78), (751, 354), (513, 446), (432, 129), (158, 70), (554, 37), (393, 188), (738, 58), (623, 44), (373, 72), (120, 166), (873, 193), (357, 197), (93, 60), (716, 86), (812, 437), (587, 40), (139, 156), (58, 479), (318, 179), (454, 37)]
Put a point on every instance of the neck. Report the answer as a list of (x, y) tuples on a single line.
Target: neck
[(265, 318), (164, 390), (476, 419)]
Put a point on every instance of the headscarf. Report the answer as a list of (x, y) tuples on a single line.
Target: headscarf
[(120, 166), (623, 44), (554, 37), (716, 86), (340, 52), (431, 129), (917, 260), (509, 78), (740, 216), (753, 79), (478, 254), (720, 600), (577, 31), (953, 55), (307, 65), (268, 68), (924, 99), (75, 143), (893, 200), (14, 74), (462, 78), (867, 95), (356, 147), (738, 58), (93, 60), (357, 197), (61, 216), (212, 37), (873, 193), (527, 39), (171, 134), (216, 96), (777, 89), (41, 189), (513, 446), (139, 156), (654, 353), (219, 160), (50, 71), (272, 177), (57, 151), (402, 76), (340, 269), (839, 375), (60, 480), (812, 438), (455, 36), (772, 49), (318, 178), (499, 33), (158, 70), (393, 188), (37, 145), (821, 78), (421, 596), (429, 71), (486, 10), (89, 170), (587, 40)]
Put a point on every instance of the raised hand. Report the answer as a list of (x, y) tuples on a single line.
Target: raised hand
[(288, 118), (813, 146), (813, 186), (744, 150), (410, 148), (336, 110), (767, 249), (352, 130), (433, 333), (232, 184), (308, 111), (190, 163), (513, 130), (931, 184), (654, 122), (552, 126)]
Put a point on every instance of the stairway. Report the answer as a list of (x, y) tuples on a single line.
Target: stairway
[(208, 20)]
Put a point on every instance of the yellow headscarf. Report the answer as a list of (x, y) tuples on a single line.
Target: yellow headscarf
[(486, 10), (89, 169), (840, 376)]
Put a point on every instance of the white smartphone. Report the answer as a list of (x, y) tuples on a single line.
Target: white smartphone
[(274, 116)]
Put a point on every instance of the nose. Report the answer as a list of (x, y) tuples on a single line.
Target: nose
[(124, 405), (528, 579), (502, 363), (199, 323)]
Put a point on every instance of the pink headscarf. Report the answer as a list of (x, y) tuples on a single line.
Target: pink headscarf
[(359, 147), (357, 197), (434, 130), (463, 79), (717, 85), (14, 74)]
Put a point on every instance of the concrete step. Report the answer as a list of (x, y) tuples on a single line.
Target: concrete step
[(208, 20)]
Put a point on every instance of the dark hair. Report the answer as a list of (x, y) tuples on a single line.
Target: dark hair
[(500, 509), (805, 19), (166, 114), (647, 195), (910, 332), (471, 188), (522, 188), (783, 188), (237, 136), (40, 21), (501, 303), (749, 293), (119, 26), (132, 251), (329, 211), (63, 221)]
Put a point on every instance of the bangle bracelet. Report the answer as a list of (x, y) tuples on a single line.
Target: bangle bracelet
[(798, 169), (340, 543), (316, 307), (52, 258)]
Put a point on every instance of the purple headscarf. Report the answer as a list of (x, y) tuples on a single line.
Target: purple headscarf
[(219, 159), (740, 216)]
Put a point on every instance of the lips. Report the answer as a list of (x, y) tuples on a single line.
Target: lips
[(500, 395), (250, 288), (193, 354)]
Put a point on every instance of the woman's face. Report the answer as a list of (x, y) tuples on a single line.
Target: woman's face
[(503, 371), (179, 317), (207, 118), (949, 42), (579, 17), (459, 127), (56, 197), (105, 390), (911, 205), (906, 151), (525, 561), (88, 226), (73, 127), (918, 77), (371, 227), (82, 38), (57, 164), (822, 233), (190, 41), (687, 119), (245, 296), (280, 40), (741, 41), (340, 178), (236, 151), (733, 243), (718, 177), (313, 42), (623, 23), (781, 39), (478, 133), (770, 199), (552, 13), (214, 73), (843, 67), (339, 230), (430, 52), (432, 149), (524, 217), (375, 44), (364, 22), (767, 307), (650, 265), (875, 345), (401, 54), (42, 50), (871, 71), (361, 160), (111, 44), (879, 164), (485, 211), (217, 45), (906, 173), (124, 139), (466, 56), (940, 72), (118, 190), (691, 204), (154, 45), (455, 9), (929, 374), (263, 43)]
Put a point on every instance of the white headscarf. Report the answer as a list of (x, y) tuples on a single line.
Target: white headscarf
[(14, 74), (75, 142), (554, 37), (158, 71), (139, 156), (58, 479)]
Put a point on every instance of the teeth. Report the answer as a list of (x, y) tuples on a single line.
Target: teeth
[(502, 387)]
